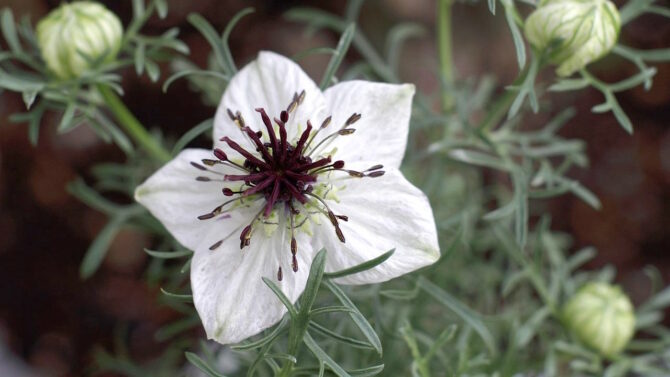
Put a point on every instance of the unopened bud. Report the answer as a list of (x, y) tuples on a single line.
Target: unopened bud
[(76, 36), (602, 317), (578, 32)]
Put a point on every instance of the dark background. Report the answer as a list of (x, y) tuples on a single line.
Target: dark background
[(51, 320)]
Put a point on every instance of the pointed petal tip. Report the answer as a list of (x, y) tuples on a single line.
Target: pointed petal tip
[(409, 88), (138, 193)]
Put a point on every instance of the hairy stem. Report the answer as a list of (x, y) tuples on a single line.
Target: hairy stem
[(132, 126)]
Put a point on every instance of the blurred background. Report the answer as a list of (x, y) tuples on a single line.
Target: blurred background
[(51, 321)]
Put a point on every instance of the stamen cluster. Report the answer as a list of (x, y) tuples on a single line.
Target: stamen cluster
[(280, 172)]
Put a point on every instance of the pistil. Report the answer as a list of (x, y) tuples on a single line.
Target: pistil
[(281, 173)]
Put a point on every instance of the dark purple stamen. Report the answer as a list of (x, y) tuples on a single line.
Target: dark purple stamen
[(280, 172)]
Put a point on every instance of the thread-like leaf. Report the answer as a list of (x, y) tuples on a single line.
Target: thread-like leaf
[(201, 364), (338, 55)]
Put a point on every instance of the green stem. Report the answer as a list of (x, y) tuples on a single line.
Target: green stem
[(501, 106), (132, 126), (296, 333), (287, 369), (444, 48)]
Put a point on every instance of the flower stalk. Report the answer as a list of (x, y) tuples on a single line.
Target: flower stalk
[(444, 48), (133, 126)]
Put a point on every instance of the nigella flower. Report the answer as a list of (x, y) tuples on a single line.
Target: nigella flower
[(293, 170)]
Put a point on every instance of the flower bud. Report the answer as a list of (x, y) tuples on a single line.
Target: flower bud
[(602, 317), (577, 32), (76, 36)]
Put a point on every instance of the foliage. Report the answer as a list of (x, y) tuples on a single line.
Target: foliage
[(490, 306)]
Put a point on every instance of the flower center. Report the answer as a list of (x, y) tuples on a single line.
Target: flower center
[(283, 173)]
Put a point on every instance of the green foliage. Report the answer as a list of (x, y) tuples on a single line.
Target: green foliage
[(490, 307), (23, 70)]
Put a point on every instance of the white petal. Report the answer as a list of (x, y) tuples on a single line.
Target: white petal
[(232, 300), (268, 82), (381, 133), (174, 197), (384, 213)]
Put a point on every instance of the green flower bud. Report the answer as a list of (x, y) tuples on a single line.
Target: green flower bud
[(577, 31), (75, 36), (602, 317)]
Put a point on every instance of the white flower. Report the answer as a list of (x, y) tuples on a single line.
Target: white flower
[(275, 192), (578, 31), (73, 36)]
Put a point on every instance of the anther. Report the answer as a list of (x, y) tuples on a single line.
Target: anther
[(346, 131), (326, 121), (206, 216), (342, 217), (216, 244), (291, 106), (339, 233), (356, 174), (240, 120), (294, 246), (230, 114), (301, 97), (376, 167), (280, 275), (245, 237), (332, 218), (294, 263), (352, 119), (221, 155), (376, 174), (209, 162), (202, 179), (198, 166)]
